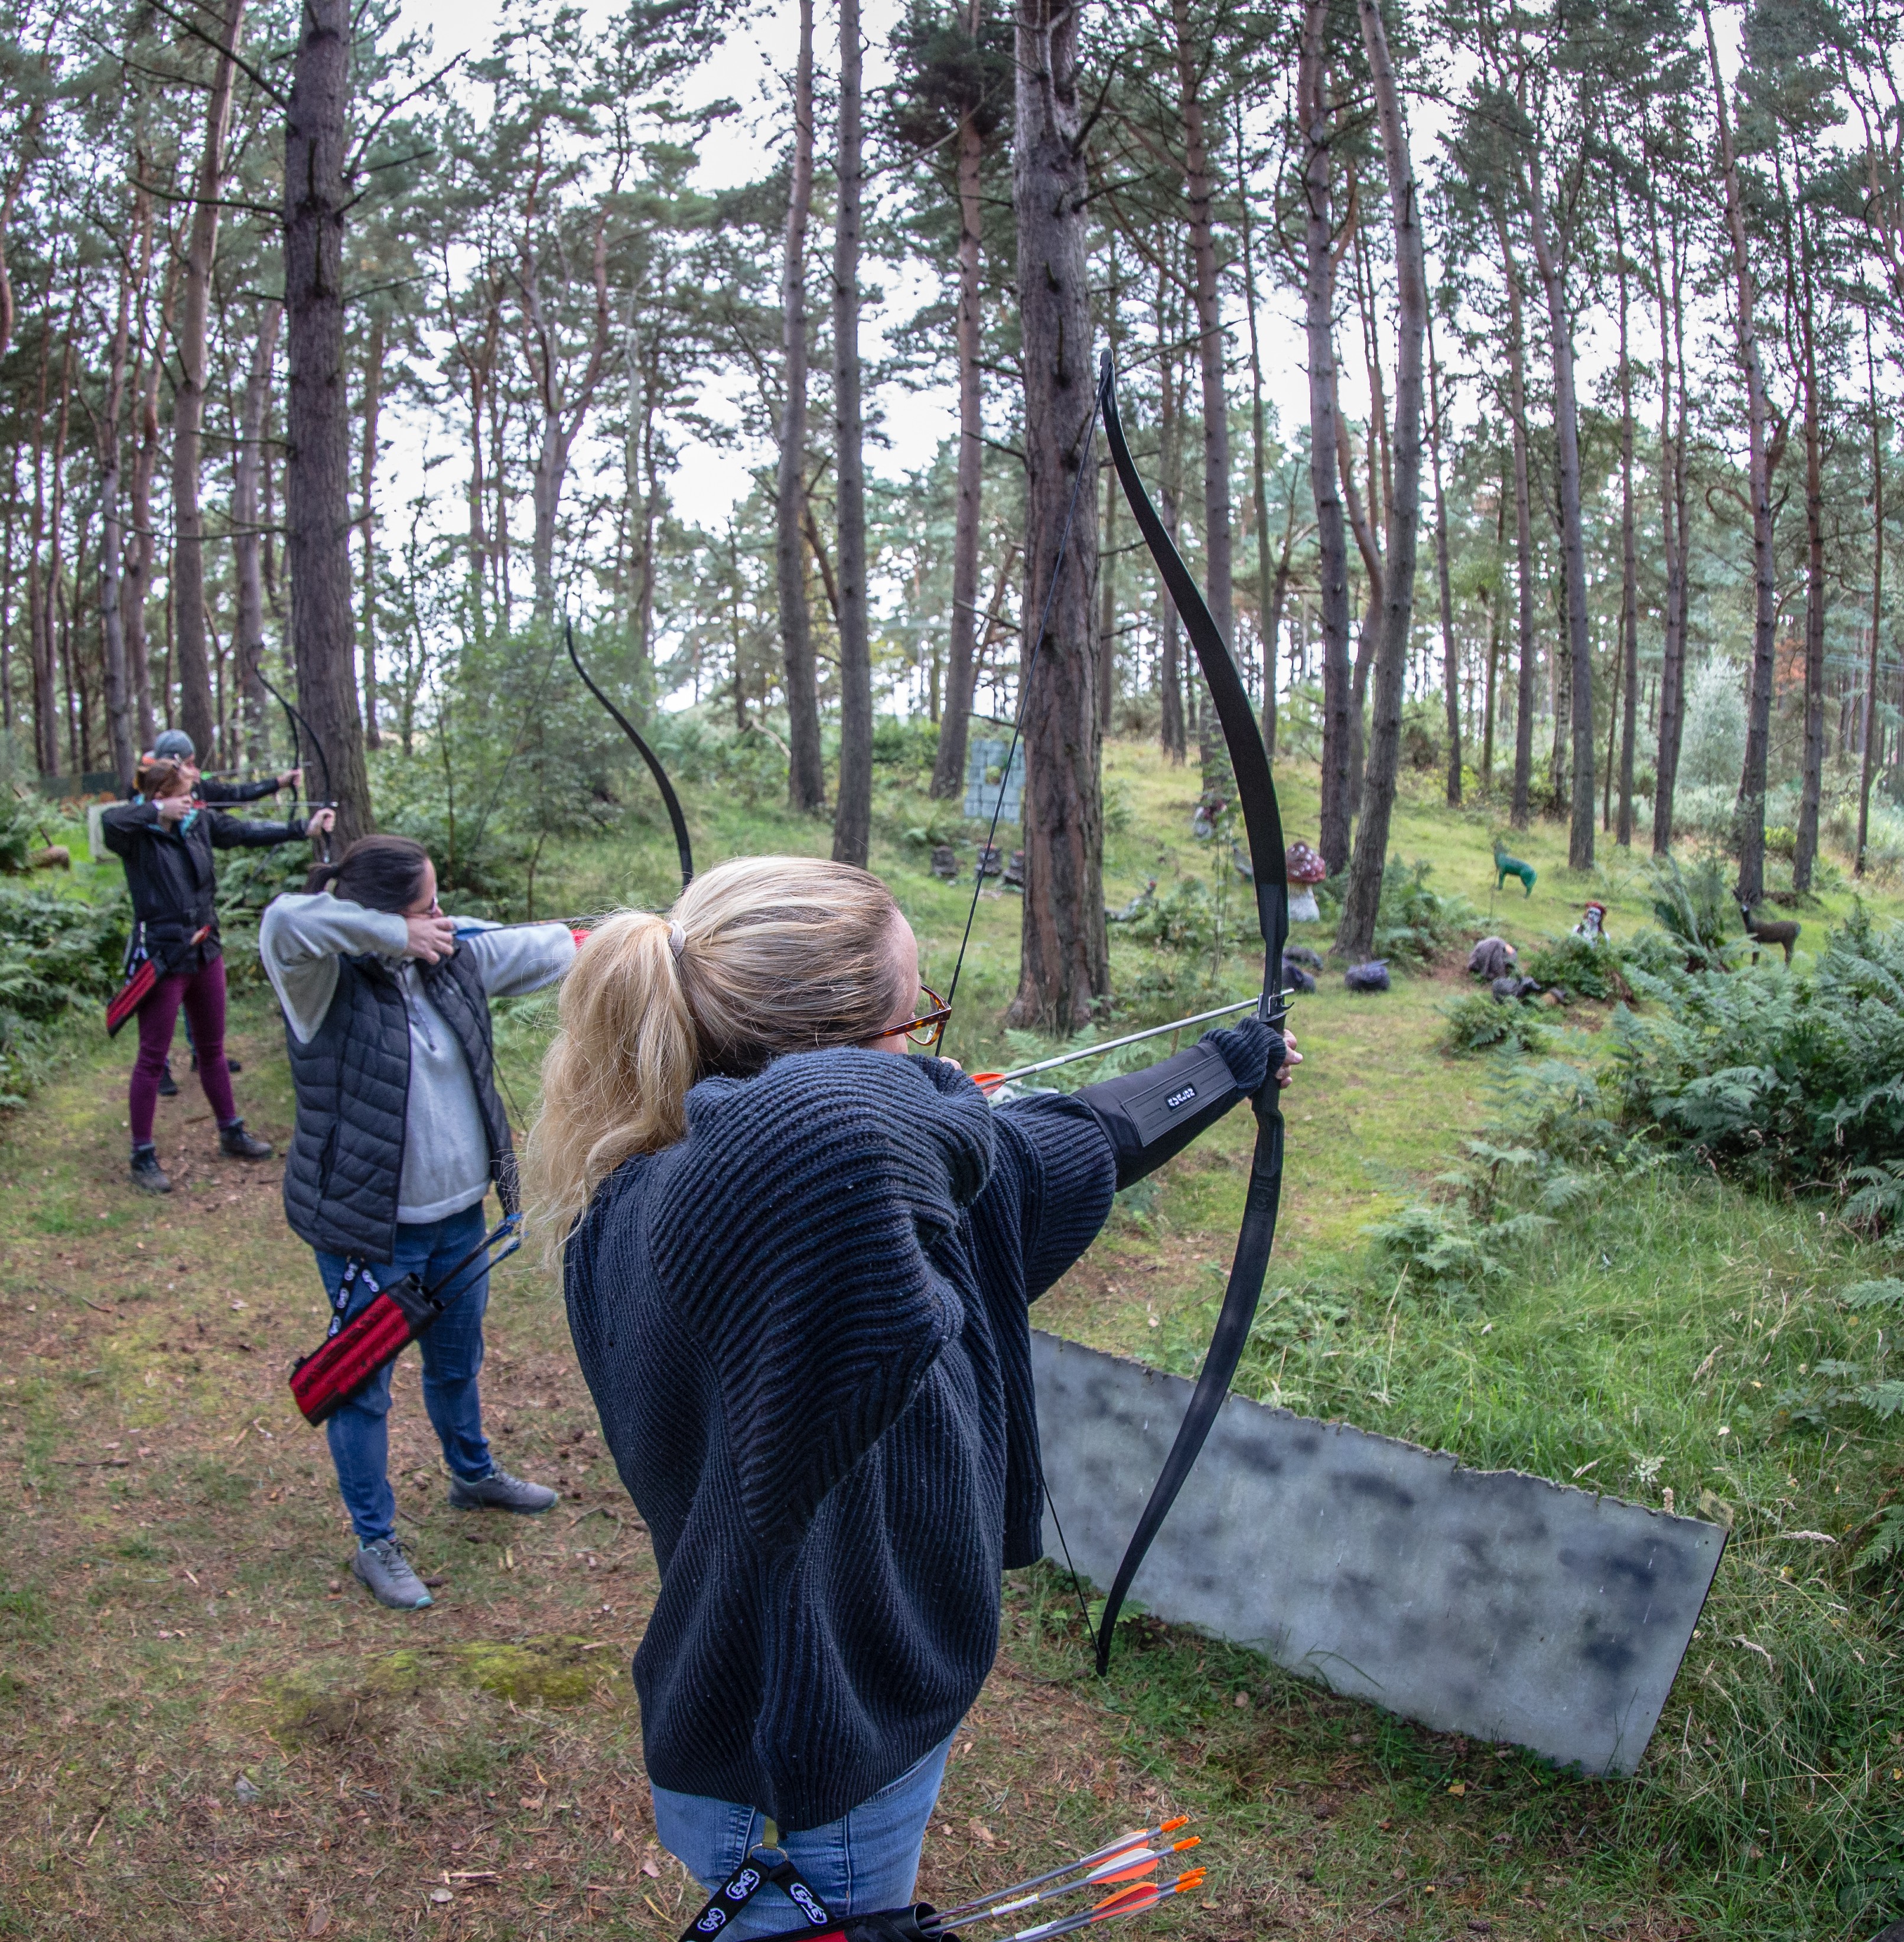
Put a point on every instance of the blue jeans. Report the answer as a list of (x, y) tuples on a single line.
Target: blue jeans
[(452, 1356), (867, 1860)]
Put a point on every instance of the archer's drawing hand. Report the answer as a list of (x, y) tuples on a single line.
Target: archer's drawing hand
[(290, 779), (432, 938), (174, 808), (321, 823), (1292, 1058)]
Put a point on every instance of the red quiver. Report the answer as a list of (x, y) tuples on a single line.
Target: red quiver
[(323, 1381)]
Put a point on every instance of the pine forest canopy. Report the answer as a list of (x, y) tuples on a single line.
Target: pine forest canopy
[(332, 366)]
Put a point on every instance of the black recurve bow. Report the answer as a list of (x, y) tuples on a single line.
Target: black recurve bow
[(1255, 791), (648, 755)]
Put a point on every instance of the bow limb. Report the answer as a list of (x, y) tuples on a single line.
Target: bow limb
[(669, 799), (294, 719), (1263, 822)]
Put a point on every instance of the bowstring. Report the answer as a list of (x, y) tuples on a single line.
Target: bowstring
[(1024, 695)]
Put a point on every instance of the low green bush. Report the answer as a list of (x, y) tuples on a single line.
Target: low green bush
[(1414, 925), (1578, 968), (1481, 1023)]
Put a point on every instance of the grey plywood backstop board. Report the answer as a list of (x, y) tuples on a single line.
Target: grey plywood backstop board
[(1485, 1602)]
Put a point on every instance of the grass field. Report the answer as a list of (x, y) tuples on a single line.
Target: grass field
[(206, 1729)]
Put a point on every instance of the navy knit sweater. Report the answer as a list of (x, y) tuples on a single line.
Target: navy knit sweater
[(804, 1326)]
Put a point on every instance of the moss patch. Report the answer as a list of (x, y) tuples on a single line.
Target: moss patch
[(548, 1671)]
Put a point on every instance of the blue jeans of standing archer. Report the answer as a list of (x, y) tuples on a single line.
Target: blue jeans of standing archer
[(866, 1860), (452, 1349)]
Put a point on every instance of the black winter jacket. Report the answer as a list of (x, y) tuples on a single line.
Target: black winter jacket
[(169, 872)]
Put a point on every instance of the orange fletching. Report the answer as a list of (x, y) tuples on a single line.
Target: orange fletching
[(1128, 1900)]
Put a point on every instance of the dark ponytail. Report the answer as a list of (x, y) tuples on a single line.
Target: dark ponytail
[(382, 873)]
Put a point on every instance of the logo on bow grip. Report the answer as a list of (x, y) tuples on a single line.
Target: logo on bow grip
[(1255, 791)]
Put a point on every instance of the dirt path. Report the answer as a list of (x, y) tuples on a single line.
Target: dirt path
[(208, 1730)]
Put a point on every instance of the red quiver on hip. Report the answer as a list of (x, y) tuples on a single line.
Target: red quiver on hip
[(323, 1381)]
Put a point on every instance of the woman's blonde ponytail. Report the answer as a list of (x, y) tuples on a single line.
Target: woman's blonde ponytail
[(615, 1079), (762, 955)]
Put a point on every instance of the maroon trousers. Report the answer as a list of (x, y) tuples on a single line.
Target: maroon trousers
[(202, 993)]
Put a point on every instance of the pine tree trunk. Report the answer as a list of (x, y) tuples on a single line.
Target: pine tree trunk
[(949, 768), (1270, 581), (1749, 812), (46, 668), (142, 555), (1064, 965), (317, 421), (247, 543), (1332, 540), (1869, 767), (1169, 466), (1355, 939), (1629, 660), (1450, 655), (1521, 804), (805, 779), (373, 398), (112, 627), (1573, 549), (1806, 853), (1673, 531), (853, 813), (1107, 606), (197, 715)]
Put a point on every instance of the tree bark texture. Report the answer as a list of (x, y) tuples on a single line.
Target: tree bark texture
[(1520, 805), (805, 779), (1450, 655), (112, 626), (1573, 548), (373, 398), (142, 555), (1355, 939), (853, 812), (317, 419), (948, 769), (1805, 855), (1271, 581), (197, 714), (1065, 956), (247, 543), (1332, 540), (1672, 532), (1629, 569), (1170, 446), (1748, 812), (1868, 768)]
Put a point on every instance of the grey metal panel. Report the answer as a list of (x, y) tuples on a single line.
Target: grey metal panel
[(1485, 1602)]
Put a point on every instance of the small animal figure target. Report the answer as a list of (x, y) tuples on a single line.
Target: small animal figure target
[(1506, 866)]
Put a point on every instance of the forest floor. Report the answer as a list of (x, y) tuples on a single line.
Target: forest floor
[(207, 1729)]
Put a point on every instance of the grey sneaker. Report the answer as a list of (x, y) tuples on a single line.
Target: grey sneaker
[(385, 1573), (500, 1491)]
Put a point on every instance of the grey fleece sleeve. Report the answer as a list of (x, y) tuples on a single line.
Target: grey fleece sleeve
[(517, 957), (301, 939)]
